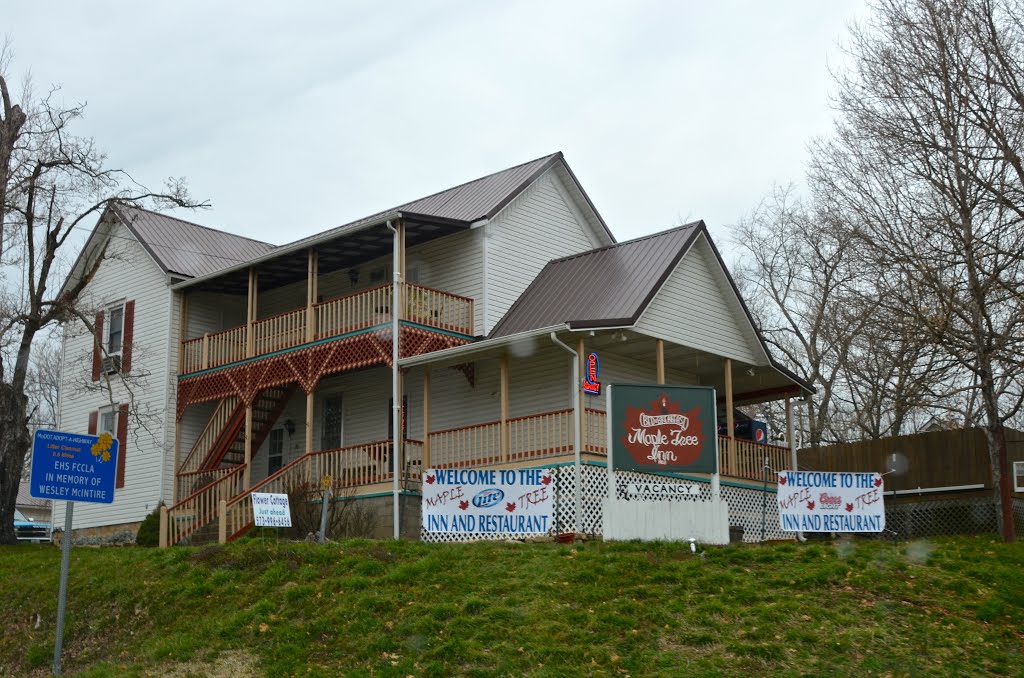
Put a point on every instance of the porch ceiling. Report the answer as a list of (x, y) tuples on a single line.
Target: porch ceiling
[(347, 250), (751, 383)]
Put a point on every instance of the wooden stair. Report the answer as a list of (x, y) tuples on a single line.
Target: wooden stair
[(229, 450)]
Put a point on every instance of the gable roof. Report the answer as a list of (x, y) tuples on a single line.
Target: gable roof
[(186, 249), (606, 287), (466, 203)]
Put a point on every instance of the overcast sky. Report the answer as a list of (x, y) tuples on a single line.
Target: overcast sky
[(294, 117)]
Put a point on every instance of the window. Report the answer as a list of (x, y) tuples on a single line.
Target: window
[(113, 420), (112, 352), (1018, 476), (115, 330), (275, 454), (330, 435), (108, 421)]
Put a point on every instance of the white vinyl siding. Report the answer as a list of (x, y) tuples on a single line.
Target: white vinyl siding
[(540, 225), (209, 312), (127, 268), (697, 307)]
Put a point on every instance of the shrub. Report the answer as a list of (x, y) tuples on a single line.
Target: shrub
[(149, 530)]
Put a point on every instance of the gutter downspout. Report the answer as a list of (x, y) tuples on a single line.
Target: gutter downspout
[(396, 404), (577, 420)]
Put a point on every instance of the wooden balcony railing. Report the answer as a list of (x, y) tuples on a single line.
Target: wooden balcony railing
[(750, 458), (349, 313), (538, 436), (280, 331)]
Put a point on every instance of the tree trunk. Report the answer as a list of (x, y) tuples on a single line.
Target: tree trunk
[(1004, 489), (14, 445)]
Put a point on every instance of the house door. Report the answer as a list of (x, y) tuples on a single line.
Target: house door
[(332, 429)]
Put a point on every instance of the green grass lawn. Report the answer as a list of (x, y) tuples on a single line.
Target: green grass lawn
[(952, 606)]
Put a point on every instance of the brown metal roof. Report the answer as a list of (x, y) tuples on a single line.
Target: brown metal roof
[(605, 287), (474, 200), (25, 497), (186, 249)]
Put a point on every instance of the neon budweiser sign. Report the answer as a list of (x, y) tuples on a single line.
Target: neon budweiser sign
[(664, 435)]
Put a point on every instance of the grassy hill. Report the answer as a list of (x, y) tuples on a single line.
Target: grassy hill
[(940, 607)]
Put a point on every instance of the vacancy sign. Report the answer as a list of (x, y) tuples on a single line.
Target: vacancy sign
[(828, 501), (490, 501)]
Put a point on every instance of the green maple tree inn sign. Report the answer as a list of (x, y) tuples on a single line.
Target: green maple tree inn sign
[(658, 428)]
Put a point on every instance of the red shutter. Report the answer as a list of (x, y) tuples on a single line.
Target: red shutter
[(127, 335), (97, 351), (122, 443), (94, 418)]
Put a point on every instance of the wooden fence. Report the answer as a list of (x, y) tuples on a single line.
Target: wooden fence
[(926, 460)]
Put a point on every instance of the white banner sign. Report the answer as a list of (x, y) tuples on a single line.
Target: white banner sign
[(828, 501), (670, 490), (500, 502), (271, 510)]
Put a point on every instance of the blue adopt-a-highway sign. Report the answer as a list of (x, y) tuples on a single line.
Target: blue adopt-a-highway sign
[(74, 467)]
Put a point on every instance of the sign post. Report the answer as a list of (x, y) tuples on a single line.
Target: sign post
[(71, 467)]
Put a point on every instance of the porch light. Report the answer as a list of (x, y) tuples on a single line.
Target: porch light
[(353, 276), (289, 426)]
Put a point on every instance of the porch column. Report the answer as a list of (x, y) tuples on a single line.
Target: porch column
[(789, 432), (309, 422), (729, 423), (581, 413), (659, 350), (177, 461), (182, 328), (426, 418), (250, 340), (248, 447), (403, 297), (311, 276), (504, 407)]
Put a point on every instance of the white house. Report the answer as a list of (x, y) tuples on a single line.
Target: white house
[(228, 365)]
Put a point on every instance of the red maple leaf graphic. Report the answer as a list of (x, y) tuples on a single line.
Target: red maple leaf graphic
[(878, 482), (463, 505), (510, 506), (782, 480), (430, 480), (546, 480), (810, 506), (849, 508)]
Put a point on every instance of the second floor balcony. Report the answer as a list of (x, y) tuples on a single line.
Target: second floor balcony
[(358, 312)]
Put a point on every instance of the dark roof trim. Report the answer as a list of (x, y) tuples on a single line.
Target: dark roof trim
[(428, 218), (145, 245), (513, 194), (590, 203), (750, 318)]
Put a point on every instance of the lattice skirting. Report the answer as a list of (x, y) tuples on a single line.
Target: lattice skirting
[(745, 504), (938, 517)]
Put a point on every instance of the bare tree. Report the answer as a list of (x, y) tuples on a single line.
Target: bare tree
[(925, 170), (52, 184), (796, 274)]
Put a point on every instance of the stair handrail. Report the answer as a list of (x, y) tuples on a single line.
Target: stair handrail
[(200, 507), (211, 431)]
